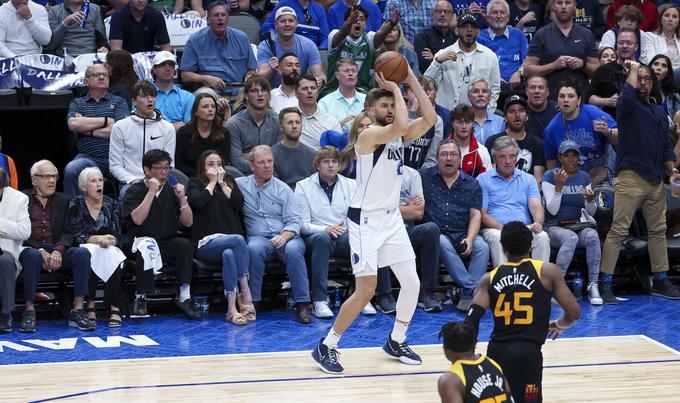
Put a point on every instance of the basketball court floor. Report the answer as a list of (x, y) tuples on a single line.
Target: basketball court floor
[(624, 353)]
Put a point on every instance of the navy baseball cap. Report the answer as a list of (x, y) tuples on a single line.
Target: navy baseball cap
[(515, 99), (568, 145), (468, 18)]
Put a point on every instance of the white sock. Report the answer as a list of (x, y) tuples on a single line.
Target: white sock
[(142, 295), (332, 339), (399, 332), (184, 292)]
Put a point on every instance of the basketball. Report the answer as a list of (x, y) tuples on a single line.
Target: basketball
[(392, 65)]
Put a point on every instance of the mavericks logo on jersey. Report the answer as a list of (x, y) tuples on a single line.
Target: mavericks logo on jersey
[(396, 154)]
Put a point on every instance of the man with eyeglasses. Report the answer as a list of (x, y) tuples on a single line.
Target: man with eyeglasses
[(311, 17), (50, 247), (91, 118), (453, 201), (439, 36)]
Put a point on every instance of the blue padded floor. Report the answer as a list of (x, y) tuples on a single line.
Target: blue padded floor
[(175, 336)]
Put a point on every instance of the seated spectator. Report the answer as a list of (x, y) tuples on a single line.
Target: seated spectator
[(351, 41), (435, 38), (348, 157), (69, 38), (152, 208), (395, 41), (286, 40), (173, 102), (314, 119), (421, 153), (293, 161), (137, 27), (255, 125), (122, 75), (133, 136), (200, 6), (313, 23), (591, 127), (663, 70), (324, 198), (527, 15), (508, 43), (91, 118), (667, 38), (588, 14), (541, 110), (216, 201), (531, 158), (509, 194), (629, 17), (475, 158), (606, 55), (204, 132), (345, 102), (7, 164), (609, 78), (15, 226), (413, 17), (458, 222), (49, 246), (567, 193), (24, 28), (486, 122), (650, 15), (217, 54), (95, 219), (284, 95), (272, 219), (337, 14), (453, 68)]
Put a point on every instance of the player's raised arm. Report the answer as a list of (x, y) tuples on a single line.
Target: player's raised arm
[(564, 297), (428, 116)]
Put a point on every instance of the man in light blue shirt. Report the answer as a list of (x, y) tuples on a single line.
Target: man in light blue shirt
[(509, 194), (173, 102), (273, 220), (218, 54), (345, 102)]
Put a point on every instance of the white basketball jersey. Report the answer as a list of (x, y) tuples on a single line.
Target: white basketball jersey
[(379, 177)]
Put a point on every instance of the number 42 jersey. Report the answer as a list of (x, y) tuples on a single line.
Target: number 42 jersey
[(521, 305)]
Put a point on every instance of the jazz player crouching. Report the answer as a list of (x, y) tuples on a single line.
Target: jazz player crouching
[(519, 292), (377, 235)]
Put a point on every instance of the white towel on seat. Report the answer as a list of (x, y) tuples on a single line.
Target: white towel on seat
[(150, 251)]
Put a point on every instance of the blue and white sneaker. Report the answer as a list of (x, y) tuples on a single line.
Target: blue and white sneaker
[(402, 352), (327, 359)]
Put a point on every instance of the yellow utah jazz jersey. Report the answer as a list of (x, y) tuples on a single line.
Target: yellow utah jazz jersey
[(520, 303), (483, 380)]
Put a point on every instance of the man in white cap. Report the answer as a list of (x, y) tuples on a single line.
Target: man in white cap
[(174, 102)]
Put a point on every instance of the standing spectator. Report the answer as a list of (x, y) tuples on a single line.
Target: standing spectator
[(509, 194), (486, 122), (91, 118), (122, 75), (286, 40), (7, 164), (422, 152), (557, 56), (140, 132), (337, 14), (174, 103), (15, 225), (453, 68), (314, 119), (293, 161), (527, 15), (216, 201), (345, 102), (71, 39), (667, 40), (567, 192), (204, 132), (531, 158), (218, 55), (50, 246), (541, 110), (458, 221), (641, 163), (311, 17), (273, 222), (663, 70), (589, 15), (650, 14), (437, 37), (475, 158), (324, 198), (284, 95), (414, 15), (152, 208), (136, 27), (24, 28), (629, 17), (255, 125)]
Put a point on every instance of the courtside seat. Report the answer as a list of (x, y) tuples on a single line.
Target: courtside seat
[(60, 99), (9, 99)]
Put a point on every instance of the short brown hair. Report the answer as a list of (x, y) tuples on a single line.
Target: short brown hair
[(462, 111), (257, 79), (345, 60), (629, 12), (324, 153), (375, 94), (144, 88), (285, 111)]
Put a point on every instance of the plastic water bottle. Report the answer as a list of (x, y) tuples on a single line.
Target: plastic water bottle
[(578, 286), (337, 301), (290, 302), (86, 11), (205, 306)]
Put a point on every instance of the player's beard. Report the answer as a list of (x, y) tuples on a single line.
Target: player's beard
[(382, 120)]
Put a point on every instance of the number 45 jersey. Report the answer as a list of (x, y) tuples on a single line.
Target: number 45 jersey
[(520, 303)]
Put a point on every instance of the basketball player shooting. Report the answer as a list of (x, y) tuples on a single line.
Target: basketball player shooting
[(377, 234)]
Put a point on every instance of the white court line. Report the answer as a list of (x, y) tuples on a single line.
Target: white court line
[(660, 344)]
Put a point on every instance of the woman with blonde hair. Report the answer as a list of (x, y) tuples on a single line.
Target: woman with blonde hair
[(396, 41), (348, 156), (667, 41)]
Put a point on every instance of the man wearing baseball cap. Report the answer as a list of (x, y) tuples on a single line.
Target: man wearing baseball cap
[(174, 102), (531, 158), (311, 18)]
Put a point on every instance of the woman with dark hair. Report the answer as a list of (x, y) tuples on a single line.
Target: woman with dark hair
[(663, 70), (122, 76), (216, 201), (203, 132), (606, 55), (668, 35)]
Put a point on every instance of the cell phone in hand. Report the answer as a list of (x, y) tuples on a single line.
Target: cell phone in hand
[(172, 180)]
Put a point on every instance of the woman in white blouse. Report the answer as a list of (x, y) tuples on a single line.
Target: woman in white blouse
[(667, 37)]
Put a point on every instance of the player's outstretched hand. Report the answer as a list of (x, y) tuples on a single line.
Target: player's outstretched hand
[(387, 84), (554, 330)]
